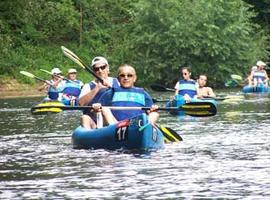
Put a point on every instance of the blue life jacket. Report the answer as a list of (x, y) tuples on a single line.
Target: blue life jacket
[(92, 85), (53, 93), (96, 98), (187, 87), (72, 88), (259, 75), (131, 97)]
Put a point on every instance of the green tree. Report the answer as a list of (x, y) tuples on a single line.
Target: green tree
[(28, 26), (214, 37)]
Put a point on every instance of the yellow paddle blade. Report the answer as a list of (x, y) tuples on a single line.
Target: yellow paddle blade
[(72, 56), (236, 77), (38, 110), (27, 74), (169, 135), (166, 140), (197, 113)]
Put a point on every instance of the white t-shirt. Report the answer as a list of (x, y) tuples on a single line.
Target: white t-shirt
[(86, 88)]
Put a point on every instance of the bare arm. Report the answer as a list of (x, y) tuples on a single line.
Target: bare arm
[(250, 78), (176, 88), (211, 92), (176, 92), (266, 76), (89, 96)]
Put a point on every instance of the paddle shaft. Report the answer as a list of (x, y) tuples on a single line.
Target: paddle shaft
[(110, 107), (28, 74), (59, 76), (76, 59), (202, 109)]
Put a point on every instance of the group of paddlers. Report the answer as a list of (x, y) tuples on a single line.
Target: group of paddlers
[(116, 92), (66, 90), (98, 94)]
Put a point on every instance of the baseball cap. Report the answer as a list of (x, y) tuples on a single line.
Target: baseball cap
[(72, 71), (260, 63), (56, 71), (99, 59)]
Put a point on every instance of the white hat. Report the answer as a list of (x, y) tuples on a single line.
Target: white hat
[(72, 71), (56, 71), (260, 63), (254, 68), (99, 59)]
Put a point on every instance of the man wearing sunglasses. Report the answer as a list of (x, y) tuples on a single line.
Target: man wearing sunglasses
[(127, 95), (92, 91)]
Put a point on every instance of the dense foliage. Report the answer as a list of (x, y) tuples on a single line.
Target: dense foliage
[(215, 37)]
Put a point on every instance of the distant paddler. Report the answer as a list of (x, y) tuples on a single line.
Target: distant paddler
[(55, 86), (203, 91), (72, 88), (259, 76), (186, 87)]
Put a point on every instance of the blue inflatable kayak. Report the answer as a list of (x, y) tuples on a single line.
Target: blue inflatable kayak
[(179, 101), (257, 89), (131, 134)]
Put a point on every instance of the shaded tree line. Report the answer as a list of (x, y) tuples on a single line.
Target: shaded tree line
[(214, 37)]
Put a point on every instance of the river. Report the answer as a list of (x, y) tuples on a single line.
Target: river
[(222, 157)]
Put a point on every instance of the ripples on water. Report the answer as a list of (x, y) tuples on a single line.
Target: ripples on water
[(222, 157)]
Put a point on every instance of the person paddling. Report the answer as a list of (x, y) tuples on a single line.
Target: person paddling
[(92, 91), (186, 87), (72, 88), (259, 76), (55, 86), (127, 95), (203, 91)]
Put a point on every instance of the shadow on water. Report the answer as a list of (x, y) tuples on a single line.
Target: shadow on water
[(224, 157)]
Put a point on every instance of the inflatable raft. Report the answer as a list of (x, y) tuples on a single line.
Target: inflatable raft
[(258, 89), (131, 134), (179, 101)]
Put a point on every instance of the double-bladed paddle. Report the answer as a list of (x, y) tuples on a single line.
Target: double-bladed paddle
[(28, 74), (196, 109), (77, 60), (56, 107)]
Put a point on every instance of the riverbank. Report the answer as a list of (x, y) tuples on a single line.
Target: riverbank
[(13, 89)]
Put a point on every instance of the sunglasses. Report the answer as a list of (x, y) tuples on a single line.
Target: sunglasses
[(184, 74), (96, 69), (125, 75)]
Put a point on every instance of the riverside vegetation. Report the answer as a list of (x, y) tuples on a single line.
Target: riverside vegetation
[(218, 38)]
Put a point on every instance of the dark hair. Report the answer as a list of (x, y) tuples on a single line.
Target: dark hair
[(187, 68)]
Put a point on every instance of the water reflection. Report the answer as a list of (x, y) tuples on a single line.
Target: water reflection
[(225, 156)]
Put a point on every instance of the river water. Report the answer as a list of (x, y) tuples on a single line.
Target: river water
[(222, 157)]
